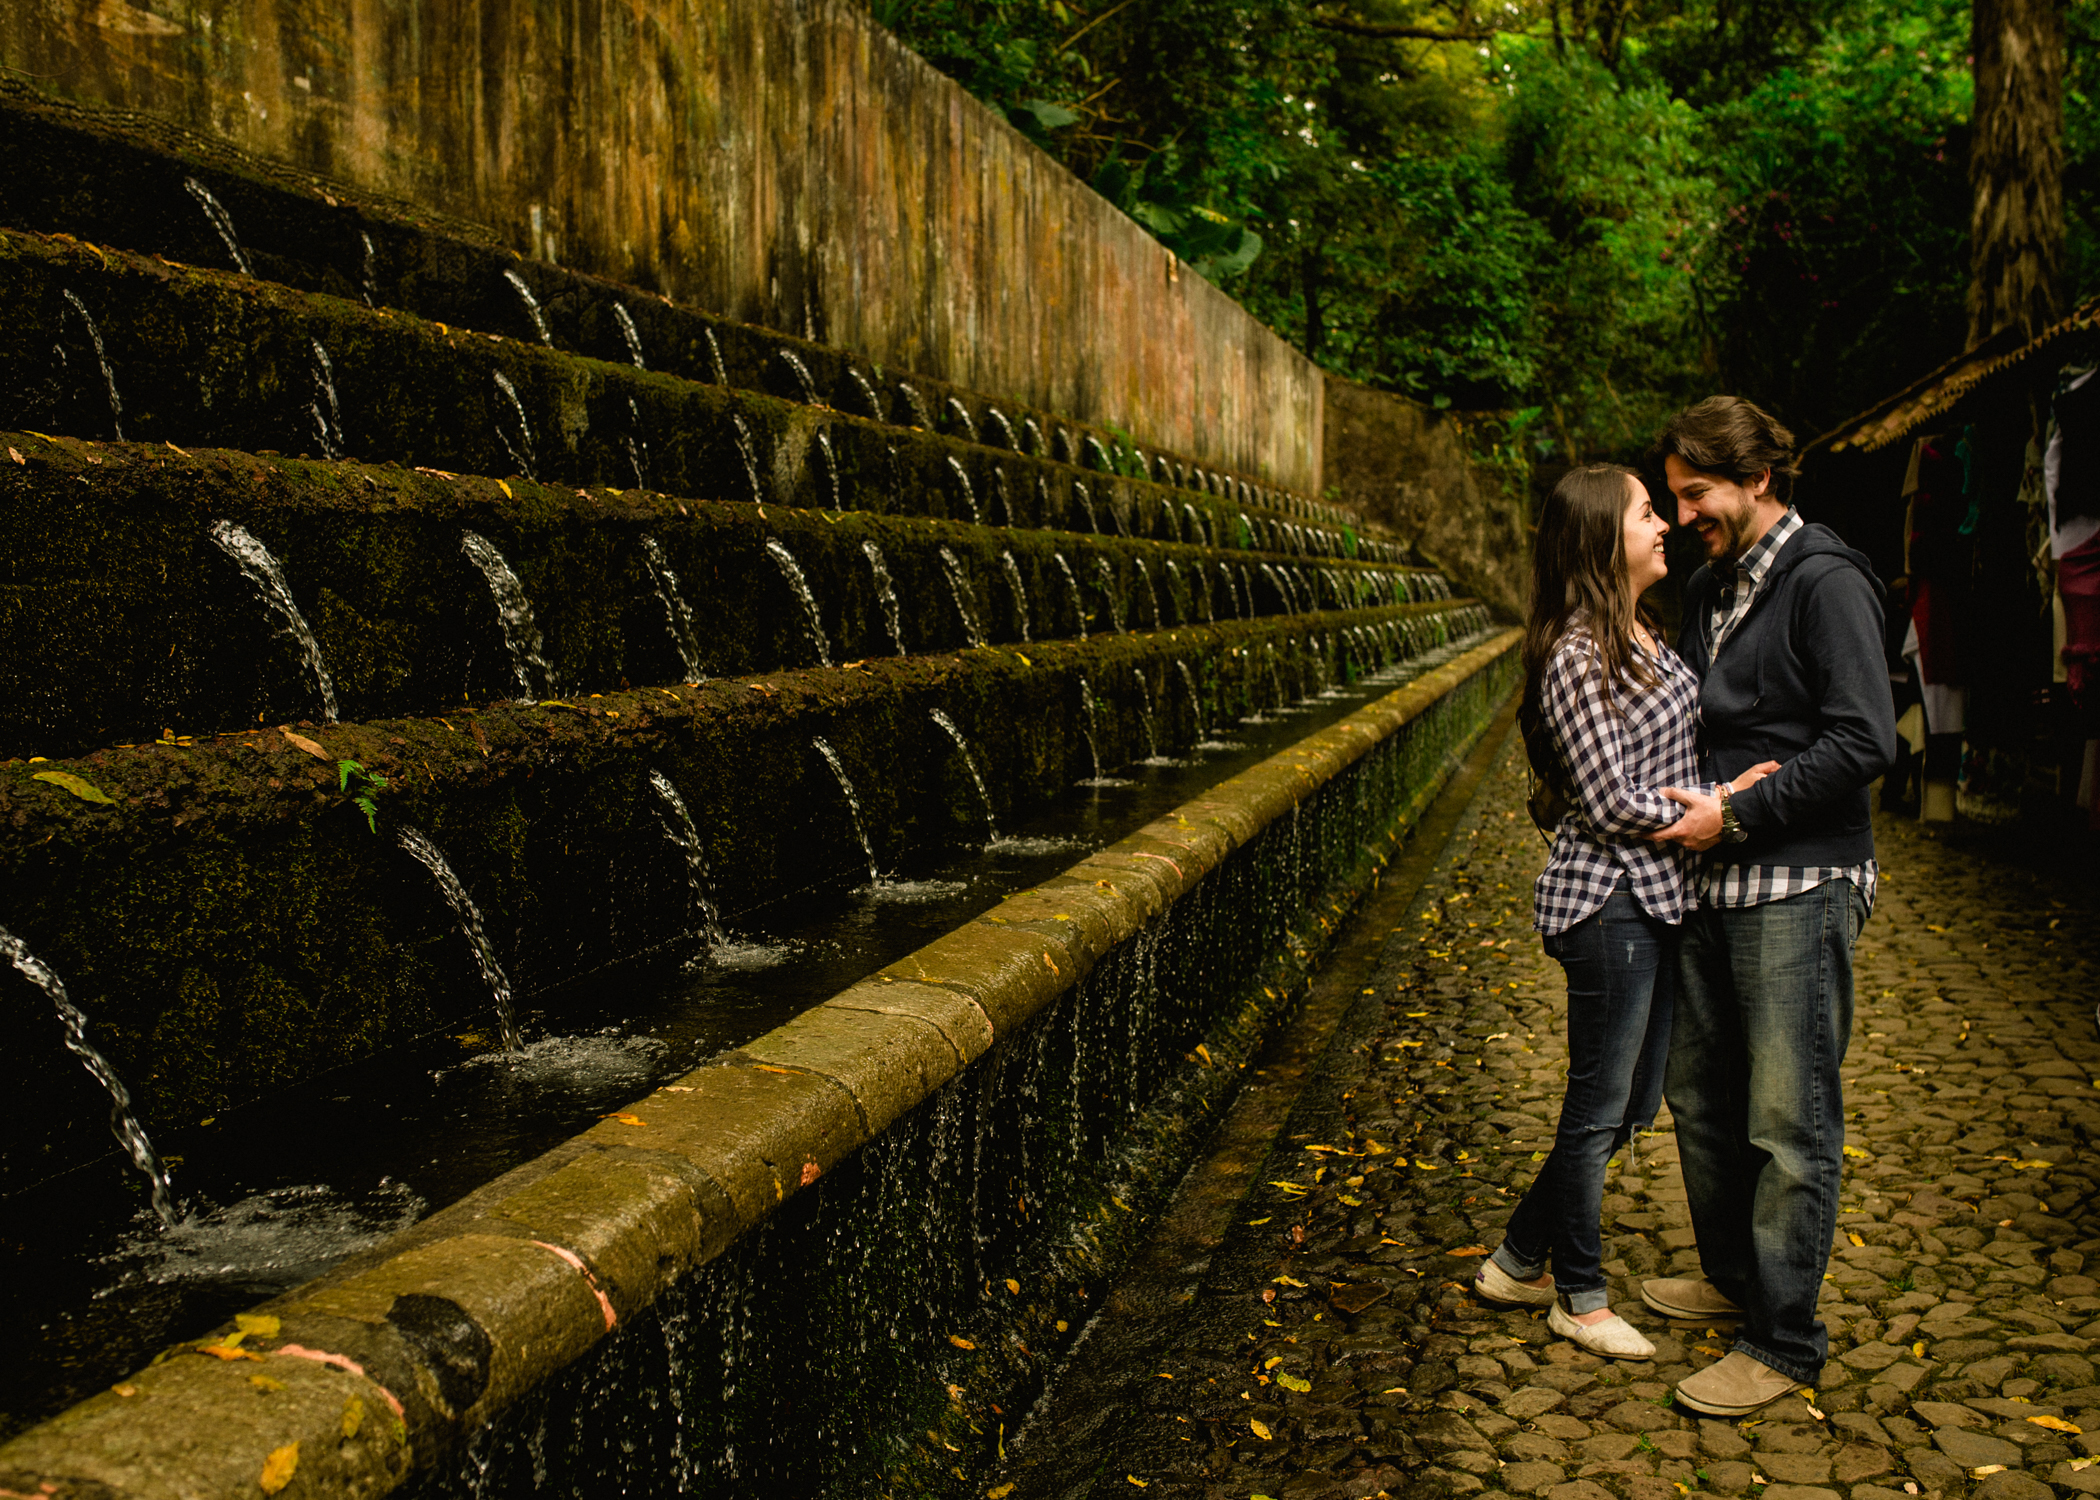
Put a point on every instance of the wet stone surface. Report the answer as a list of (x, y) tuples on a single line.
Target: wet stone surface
[(1318, 1338)]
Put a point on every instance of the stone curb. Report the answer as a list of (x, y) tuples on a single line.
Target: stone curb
[(360, 1374)]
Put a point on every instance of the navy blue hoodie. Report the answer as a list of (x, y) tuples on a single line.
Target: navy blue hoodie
[(1802, 680)]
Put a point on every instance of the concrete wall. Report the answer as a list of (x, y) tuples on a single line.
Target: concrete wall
[(787, 163), (1399, 464)]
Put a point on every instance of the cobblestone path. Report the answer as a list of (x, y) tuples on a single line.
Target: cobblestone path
[(1315, 1336)]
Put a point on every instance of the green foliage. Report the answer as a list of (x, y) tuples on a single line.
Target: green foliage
[(363, 788), (1567, 220)]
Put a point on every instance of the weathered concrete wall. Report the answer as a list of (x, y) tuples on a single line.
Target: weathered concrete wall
[(789, 164), (1404, 466)]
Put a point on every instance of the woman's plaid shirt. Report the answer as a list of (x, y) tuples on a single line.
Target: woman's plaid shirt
[(1617, 763)]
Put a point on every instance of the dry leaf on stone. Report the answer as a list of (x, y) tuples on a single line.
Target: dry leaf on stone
[(86, 791), (278, 1468), (2056, 1424), (309, 746), (1293, 1383), (1259, 1428)]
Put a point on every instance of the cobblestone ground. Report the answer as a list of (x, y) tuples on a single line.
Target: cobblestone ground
[(1319, 1339)]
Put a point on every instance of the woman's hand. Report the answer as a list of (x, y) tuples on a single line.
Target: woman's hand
[(1753, 776)]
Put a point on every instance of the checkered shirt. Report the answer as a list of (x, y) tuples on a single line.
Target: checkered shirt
[(1754, 885), (1617, 764)]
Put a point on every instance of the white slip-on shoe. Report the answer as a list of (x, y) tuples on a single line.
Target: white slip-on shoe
[(1493, 1284), (1614, 1338)]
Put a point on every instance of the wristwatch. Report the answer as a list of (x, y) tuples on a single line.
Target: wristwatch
[(1732, 832)]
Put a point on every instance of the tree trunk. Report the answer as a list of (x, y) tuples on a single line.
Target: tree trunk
[(2016, 168)]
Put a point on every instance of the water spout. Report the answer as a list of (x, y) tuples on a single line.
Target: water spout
[(637, 445), (325, 409), (860, 827), (1031, 437), (1115, 593), (1013, 581), (1151, 593), (965, 596), (1145, 715), (886, 592), (521, 450), (747, 453), (969, 494), (678, 825), (676, 614), (1003, 498), (469, 915), (368, 270), (1093, 743), (109, 376), (1003, 429), (1086, 503), (1078, 599), (715, 365), (812, 621), (921, 417), (962, 415), (221, 221), (867, 394), (807, 386), (514, 611), (130, 1134), (261, 569), (991, 823), (630, 333), (834, 481), (532, 306), (1188, 680)]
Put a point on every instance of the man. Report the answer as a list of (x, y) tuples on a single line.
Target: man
[(1783, 626)]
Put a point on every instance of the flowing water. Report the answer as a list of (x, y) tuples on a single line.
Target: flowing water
[(1188, 680), (469, 916), (1003, 498), (1114, 592), (676, 614), (678, 823), (860, 826), (520, 450), (1032, 436), (521, 634), (867, 393), (969, 493), (1152, 755), (886, 594), (800, 371), (325, 409), (812, 621), (532, 306), (262, 569), (1012, 570), (1003, 430), (1078, 599), (129, 1133), (637, 445), (368, 270), (1086, 503), (921, 417), (965, 596), (630, 333), (834, 482), (962, 416), (718, 371), (109, 376), (1151, 593), (747, 454), (222, 222), (991, 822)]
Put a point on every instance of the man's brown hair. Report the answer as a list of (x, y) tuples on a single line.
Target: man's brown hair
[(1734, 438)]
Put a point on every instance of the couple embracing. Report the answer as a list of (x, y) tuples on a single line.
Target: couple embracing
[(1712, 865)]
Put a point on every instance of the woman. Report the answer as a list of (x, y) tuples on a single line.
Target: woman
[(1609, 715)]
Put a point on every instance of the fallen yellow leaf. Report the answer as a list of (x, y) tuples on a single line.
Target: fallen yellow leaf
[(1013, 1286), (1290, 1281), (1259, 1429), (309, 746), (1000, 1493), (1858, 1152), (2056, 1424), (1272, 1362), (960, 1342), (353, 1416), (626, 1119), (228, 1350), (86, 791), (265, 1383), (125, 1390), (277, 1469), (1143, 1484), (1293, 1383), (1854, 1238), (261, 1325), (1918, 1349)]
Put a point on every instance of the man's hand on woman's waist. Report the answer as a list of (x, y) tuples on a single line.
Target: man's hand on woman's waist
[(1700, 826)]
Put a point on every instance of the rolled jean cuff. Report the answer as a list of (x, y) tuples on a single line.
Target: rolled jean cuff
[(1515, 1266), (1806, 1374), (1588, 1300)]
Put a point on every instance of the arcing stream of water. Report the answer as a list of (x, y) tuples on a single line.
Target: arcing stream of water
[(469, 915), (812, 621), (991, 821), (886, 595), (521, 635), (860, 824), (680, 618), (261, 569)]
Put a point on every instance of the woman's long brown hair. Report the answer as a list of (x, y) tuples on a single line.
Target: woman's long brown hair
[(1579, 567)]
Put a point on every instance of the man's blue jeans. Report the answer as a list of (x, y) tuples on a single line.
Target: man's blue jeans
[(1622, 972), (1762, 1026)]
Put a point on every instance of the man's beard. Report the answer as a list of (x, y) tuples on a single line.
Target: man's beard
[(1734, 529)]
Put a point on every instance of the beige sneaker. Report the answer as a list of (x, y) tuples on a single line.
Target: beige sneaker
[(1614, 1338), (1504, 1290), (1734, 1386), (1692, 1298)]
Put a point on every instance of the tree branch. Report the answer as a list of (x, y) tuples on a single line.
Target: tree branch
[(1405, 32)]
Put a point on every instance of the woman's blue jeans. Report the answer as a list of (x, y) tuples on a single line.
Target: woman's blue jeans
[(1622, 991)]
